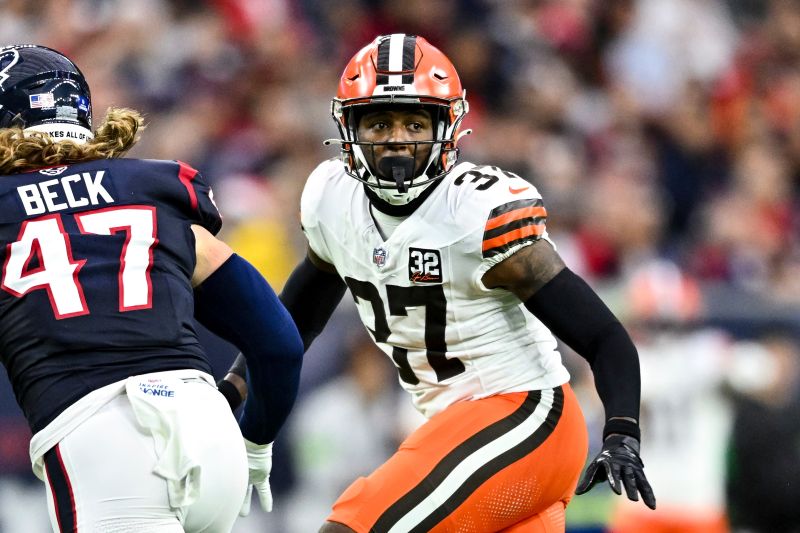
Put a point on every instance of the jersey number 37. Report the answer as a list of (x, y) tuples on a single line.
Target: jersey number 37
[(432, 298)]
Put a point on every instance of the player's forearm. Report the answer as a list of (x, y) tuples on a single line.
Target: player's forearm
[(234, 384), (237, 304), (311, 296), (577, 316), (615, 364)]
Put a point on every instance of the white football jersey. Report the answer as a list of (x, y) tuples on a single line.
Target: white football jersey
[(419, 292)]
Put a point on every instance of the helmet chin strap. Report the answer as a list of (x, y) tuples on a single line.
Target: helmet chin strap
[(400, 210), (399, 167)]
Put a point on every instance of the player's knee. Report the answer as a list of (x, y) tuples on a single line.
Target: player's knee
[(334, 527)]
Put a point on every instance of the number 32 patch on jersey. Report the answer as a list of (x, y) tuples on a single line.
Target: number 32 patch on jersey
[(424, 266)]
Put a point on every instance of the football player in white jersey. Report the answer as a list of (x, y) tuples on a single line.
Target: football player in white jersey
[(457, 281)]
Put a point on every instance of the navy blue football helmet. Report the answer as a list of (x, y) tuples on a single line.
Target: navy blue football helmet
[(39, 86)]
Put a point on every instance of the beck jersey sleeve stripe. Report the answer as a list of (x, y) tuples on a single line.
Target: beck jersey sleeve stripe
[(186, 174), (202, 209), (511, 223)]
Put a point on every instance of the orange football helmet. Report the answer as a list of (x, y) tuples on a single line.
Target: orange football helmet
[(400, 69)]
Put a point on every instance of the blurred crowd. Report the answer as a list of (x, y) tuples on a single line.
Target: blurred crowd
[(663, 135)]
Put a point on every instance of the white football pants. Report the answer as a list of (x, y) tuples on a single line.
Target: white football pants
[(167, 456)]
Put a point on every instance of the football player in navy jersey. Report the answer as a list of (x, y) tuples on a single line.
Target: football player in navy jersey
[(456, 279), (105, 262)]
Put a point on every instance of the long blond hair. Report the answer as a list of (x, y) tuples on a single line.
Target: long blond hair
[(21, 151)]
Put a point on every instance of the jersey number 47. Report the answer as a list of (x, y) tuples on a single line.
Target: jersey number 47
[(57, 271)]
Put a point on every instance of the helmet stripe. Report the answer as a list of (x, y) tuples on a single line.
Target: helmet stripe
[(396, 57), (383, 62), (409, 47), (396, 54)]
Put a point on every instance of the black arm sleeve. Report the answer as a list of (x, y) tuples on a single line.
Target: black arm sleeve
[(577, 316), (311, 296)]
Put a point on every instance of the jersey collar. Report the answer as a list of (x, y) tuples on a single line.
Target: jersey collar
[(399, 210)]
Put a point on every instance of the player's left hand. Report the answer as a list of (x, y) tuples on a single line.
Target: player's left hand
[(620, 464), (259, 465)]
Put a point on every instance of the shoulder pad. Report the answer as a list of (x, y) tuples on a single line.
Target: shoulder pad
[(509, 208), (314, 193)]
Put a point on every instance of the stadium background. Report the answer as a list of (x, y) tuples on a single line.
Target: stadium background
[(664, 136)]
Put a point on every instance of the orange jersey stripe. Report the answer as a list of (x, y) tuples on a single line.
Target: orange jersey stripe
[(505, 238), (532, 211)]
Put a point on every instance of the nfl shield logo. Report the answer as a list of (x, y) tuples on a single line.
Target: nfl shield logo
[(379, 257)]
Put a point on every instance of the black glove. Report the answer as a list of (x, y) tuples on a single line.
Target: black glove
[(619, 462)]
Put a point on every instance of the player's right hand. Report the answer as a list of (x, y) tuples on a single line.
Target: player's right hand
[(620, 464), (259, 465)]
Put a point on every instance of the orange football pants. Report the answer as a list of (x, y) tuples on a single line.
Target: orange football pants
[(506, 463)]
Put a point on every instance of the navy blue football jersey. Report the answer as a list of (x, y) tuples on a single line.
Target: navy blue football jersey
[(96, 282)]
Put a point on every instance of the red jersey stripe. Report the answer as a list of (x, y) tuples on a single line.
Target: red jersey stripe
[(186, 174)]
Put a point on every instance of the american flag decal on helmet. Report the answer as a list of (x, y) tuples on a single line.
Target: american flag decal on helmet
[(512, 223), (396, 60)]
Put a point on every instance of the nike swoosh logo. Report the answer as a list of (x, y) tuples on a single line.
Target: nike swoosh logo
[(517, 191)]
